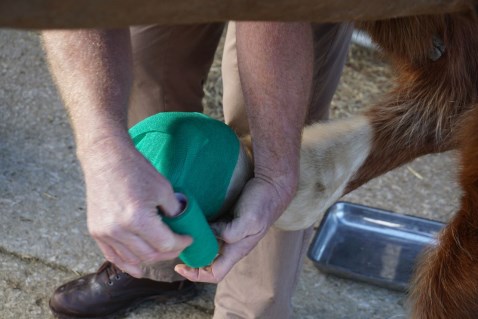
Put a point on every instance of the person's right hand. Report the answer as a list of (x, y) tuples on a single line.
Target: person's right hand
[(123, 193)]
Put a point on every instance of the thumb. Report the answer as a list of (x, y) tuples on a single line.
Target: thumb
[(237, 230), (228, 232), (169, 204)]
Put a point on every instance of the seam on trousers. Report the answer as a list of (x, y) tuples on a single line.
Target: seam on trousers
[(330, 44), (320, 60), (305, 240)]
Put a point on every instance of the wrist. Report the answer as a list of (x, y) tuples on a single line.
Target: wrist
[(97, 128), (278, 160), (102, 144), (285, 182)]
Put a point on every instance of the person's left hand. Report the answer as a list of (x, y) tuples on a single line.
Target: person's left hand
[(261, 203)]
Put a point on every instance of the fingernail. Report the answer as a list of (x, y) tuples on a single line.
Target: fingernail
[(180, 271), (179, 209), (182, 268)]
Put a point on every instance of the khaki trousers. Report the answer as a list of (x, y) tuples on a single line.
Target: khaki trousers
[(171, 65)]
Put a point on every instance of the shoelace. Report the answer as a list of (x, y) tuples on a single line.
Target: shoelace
[(111, 271)]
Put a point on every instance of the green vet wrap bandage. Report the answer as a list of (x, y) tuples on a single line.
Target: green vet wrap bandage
[(198, 155), (204, 248)]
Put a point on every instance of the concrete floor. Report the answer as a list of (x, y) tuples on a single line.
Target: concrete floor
[(44, 240)]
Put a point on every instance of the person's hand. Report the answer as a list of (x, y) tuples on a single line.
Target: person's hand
[(123, 193), (260, 204)]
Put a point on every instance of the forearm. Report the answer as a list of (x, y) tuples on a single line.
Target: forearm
[(275, 68), (93, 72), (275, 63)]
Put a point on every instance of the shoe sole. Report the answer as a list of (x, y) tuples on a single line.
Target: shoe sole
[(164, 299)]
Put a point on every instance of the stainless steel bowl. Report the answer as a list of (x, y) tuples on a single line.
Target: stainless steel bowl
[(370, 244)]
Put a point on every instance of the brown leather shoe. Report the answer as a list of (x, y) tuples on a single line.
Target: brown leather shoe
[(111, 291)]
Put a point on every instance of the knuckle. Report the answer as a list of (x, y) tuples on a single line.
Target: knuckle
[(113, 231), (167, 245), (170, 244), (134, 220), (255, 226), (105, 229), (254, 220), (97, 233)]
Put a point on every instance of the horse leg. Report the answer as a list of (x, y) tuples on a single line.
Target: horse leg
[(446, 281)]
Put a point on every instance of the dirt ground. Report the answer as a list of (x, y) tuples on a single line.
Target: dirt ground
[(44, 240)]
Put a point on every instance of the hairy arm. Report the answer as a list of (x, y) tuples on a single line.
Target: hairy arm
[(275, 63), (93, 71)]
